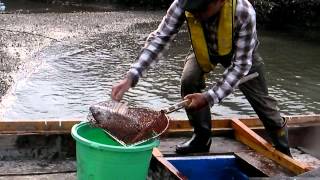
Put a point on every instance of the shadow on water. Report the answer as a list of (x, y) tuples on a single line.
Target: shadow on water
[(71, 75)]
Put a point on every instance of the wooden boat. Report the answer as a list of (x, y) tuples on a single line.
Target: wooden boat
[(38, 149)]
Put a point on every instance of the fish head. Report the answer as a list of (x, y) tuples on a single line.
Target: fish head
[(99, 113)]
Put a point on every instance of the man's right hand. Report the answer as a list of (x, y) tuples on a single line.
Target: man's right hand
[(119, 89)]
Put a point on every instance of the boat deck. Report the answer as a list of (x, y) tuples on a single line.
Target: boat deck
[(225, 145), (45, 149), (38, 168)]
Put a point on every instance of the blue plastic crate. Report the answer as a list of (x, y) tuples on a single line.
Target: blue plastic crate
[(208, 167)]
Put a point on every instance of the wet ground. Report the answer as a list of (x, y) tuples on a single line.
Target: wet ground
[(57, 64)]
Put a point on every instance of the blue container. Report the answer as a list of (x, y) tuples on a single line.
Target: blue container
[(208, 167)]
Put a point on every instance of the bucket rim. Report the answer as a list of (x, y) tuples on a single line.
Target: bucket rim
[(80, 139)]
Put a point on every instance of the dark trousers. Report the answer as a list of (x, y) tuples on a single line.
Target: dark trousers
[(254, 90)]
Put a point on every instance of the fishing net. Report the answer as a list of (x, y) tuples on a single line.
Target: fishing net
[(132, 127)]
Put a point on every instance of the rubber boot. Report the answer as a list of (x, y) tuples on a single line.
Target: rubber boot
[(196, 144), (201, 139), (280, 140)]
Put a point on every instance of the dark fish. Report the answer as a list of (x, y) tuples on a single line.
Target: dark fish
[(122, 128), (136, 126)]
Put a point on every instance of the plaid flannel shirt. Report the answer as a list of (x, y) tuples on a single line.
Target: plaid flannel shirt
[(245, 41)]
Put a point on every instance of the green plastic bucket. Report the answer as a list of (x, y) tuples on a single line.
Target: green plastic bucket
[(101, 157)]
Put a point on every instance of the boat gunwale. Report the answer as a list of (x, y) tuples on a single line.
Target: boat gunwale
[(62, 126)]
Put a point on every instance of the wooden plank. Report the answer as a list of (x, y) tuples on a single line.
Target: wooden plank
[(158, 155), (36, 126), (250, 138), (224, 124), (176, 126), (249, 121), (156, 152)]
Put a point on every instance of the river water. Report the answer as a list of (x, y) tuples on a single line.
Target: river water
[(69, 61)]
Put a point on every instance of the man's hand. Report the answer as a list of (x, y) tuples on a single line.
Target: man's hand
[(119, 89), (197, 101)]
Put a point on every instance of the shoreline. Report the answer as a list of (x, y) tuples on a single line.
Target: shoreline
[(271, 14)]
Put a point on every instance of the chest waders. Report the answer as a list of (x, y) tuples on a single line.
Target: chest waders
[(263, 104), (200, 120)]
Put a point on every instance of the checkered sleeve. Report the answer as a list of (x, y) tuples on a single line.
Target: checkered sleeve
[(157, 41), (245, 42)]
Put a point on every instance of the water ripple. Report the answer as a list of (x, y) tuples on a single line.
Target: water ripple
[(73, 77)]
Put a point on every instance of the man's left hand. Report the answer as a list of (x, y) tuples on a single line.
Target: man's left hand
[(197, 101)]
